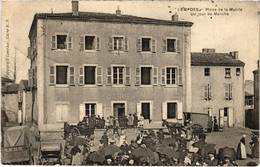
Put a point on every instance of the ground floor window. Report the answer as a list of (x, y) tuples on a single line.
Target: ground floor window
[(90, 109), (171, 110), (146, 110)]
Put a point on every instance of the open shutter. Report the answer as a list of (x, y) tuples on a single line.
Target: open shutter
[(206, 92), (180, 82), (81, 112), (151, 111), (230, 91), (70, 42), (139, 45), (109, 76), (209, 89), (180, 111), (155, 76), (221, 118), (52, 75), (81, 75), (110, 44), (53, 42), (30, 78), (164, 111), (98, 43), (153, 45), (164, 46), (178, 46), (100, 110), (226, 89), (163, 75), (72, 75), (139, 110), (99, 75), (126, 45), (35, 76), (82, 43), (137, 76), (127, 76), (230, 117)]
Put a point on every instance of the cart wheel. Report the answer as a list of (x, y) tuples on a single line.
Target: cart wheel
[(75, 132)]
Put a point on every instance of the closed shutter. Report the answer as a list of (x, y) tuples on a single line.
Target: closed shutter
[(164, 45), (52, 75), (70, 42), (72, 75), (81, 75), (81, 112), (226, 89), (164, 111), (30, 78), (231, 91), (127, 76), (155, 76), (110, 44), (65, 109), (153, 45), (163, 75), (178, 46), (151, 111), (230, 117), (99, 75), (58, 110), (82, 43), (100, 110), (180, 111), (139, 110), (98, 43), (139, 45), (126, 45), (137, 76), (109, 76), (180, 77), (53, 42)]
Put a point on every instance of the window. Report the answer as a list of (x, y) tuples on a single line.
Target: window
[(118, 75), (207, 92), (61, 74), (90, 75), (146, 110), (118, 43), (90, 109), (61, 110), (228, 91), (171, 76), (146, 75), (171, 45), (238, 71), (249, 101), (61, 41), (206, 71), (89, 43), (227, 72), (225, 112), (146, 44), (171, 110)]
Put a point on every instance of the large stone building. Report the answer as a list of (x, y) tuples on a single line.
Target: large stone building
[(217, 88), (86, 63)]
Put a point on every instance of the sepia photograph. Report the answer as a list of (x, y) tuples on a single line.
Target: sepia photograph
[(130, 83)]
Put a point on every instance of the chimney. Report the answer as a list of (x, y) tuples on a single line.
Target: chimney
[(75, 7), (236, 55), (175, 17), (207, 50), (118, 12), (233, 55)]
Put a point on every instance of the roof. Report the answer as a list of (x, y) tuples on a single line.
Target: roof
[(248, 94), (10, 89), (5, 79), (107, 17), (214, 59), (24, 85)]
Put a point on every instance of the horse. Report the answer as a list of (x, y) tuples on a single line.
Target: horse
[(172, 127)]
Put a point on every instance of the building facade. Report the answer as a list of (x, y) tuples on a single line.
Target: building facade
[(256, 97), (217, 88), (108, 65)]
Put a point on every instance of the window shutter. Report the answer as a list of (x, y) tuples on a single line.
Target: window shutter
[(30, 78), (163, 80), (35, 76), (164, 111), (164, 46), (127, 76), (64, 113), (178, 45), (230, 117), (110, 44), (53, 42), (70, 42), (180, 77), (126, 45), (137, 76), (109, 76), (226, 91), (82, 43), (139, 110), (58, 109), (231, 91), (81, 75), (72, 75), (155, 76), (179, 112), (52, 75), (151, 111), (139, 45), (98, 43), (81, 112), (221, 118), (153, 45), (210, 111), (209, 88), (100, 110), (99, 75), (206, 92)]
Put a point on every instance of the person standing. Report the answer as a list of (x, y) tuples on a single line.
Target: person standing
[(254, 145), (135, 120), (215, 124), (130, 121), (241, 148), (104, 139), (141, 121), (209, 124)]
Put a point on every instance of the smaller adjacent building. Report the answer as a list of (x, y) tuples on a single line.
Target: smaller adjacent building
[(256, 98), (217, 84), (249, 102)]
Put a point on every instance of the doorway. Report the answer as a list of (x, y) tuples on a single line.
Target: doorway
[(119, 112)]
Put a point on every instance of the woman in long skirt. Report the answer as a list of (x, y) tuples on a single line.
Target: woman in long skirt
[(254, 144), (241, 148)]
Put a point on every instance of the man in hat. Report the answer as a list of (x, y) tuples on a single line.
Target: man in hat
[(160, 135), (104, 139), (212, 161)]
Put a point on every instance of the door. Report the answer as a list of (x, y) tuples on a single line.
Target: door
[(221, 118), (119, 112), (146, 112)]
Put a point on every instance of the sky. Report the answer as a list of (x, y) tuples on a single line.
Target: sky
[(225, 26)]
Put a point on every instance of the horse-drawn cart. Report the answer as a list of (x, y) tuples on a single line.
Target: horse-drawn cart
[(82, 128)]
